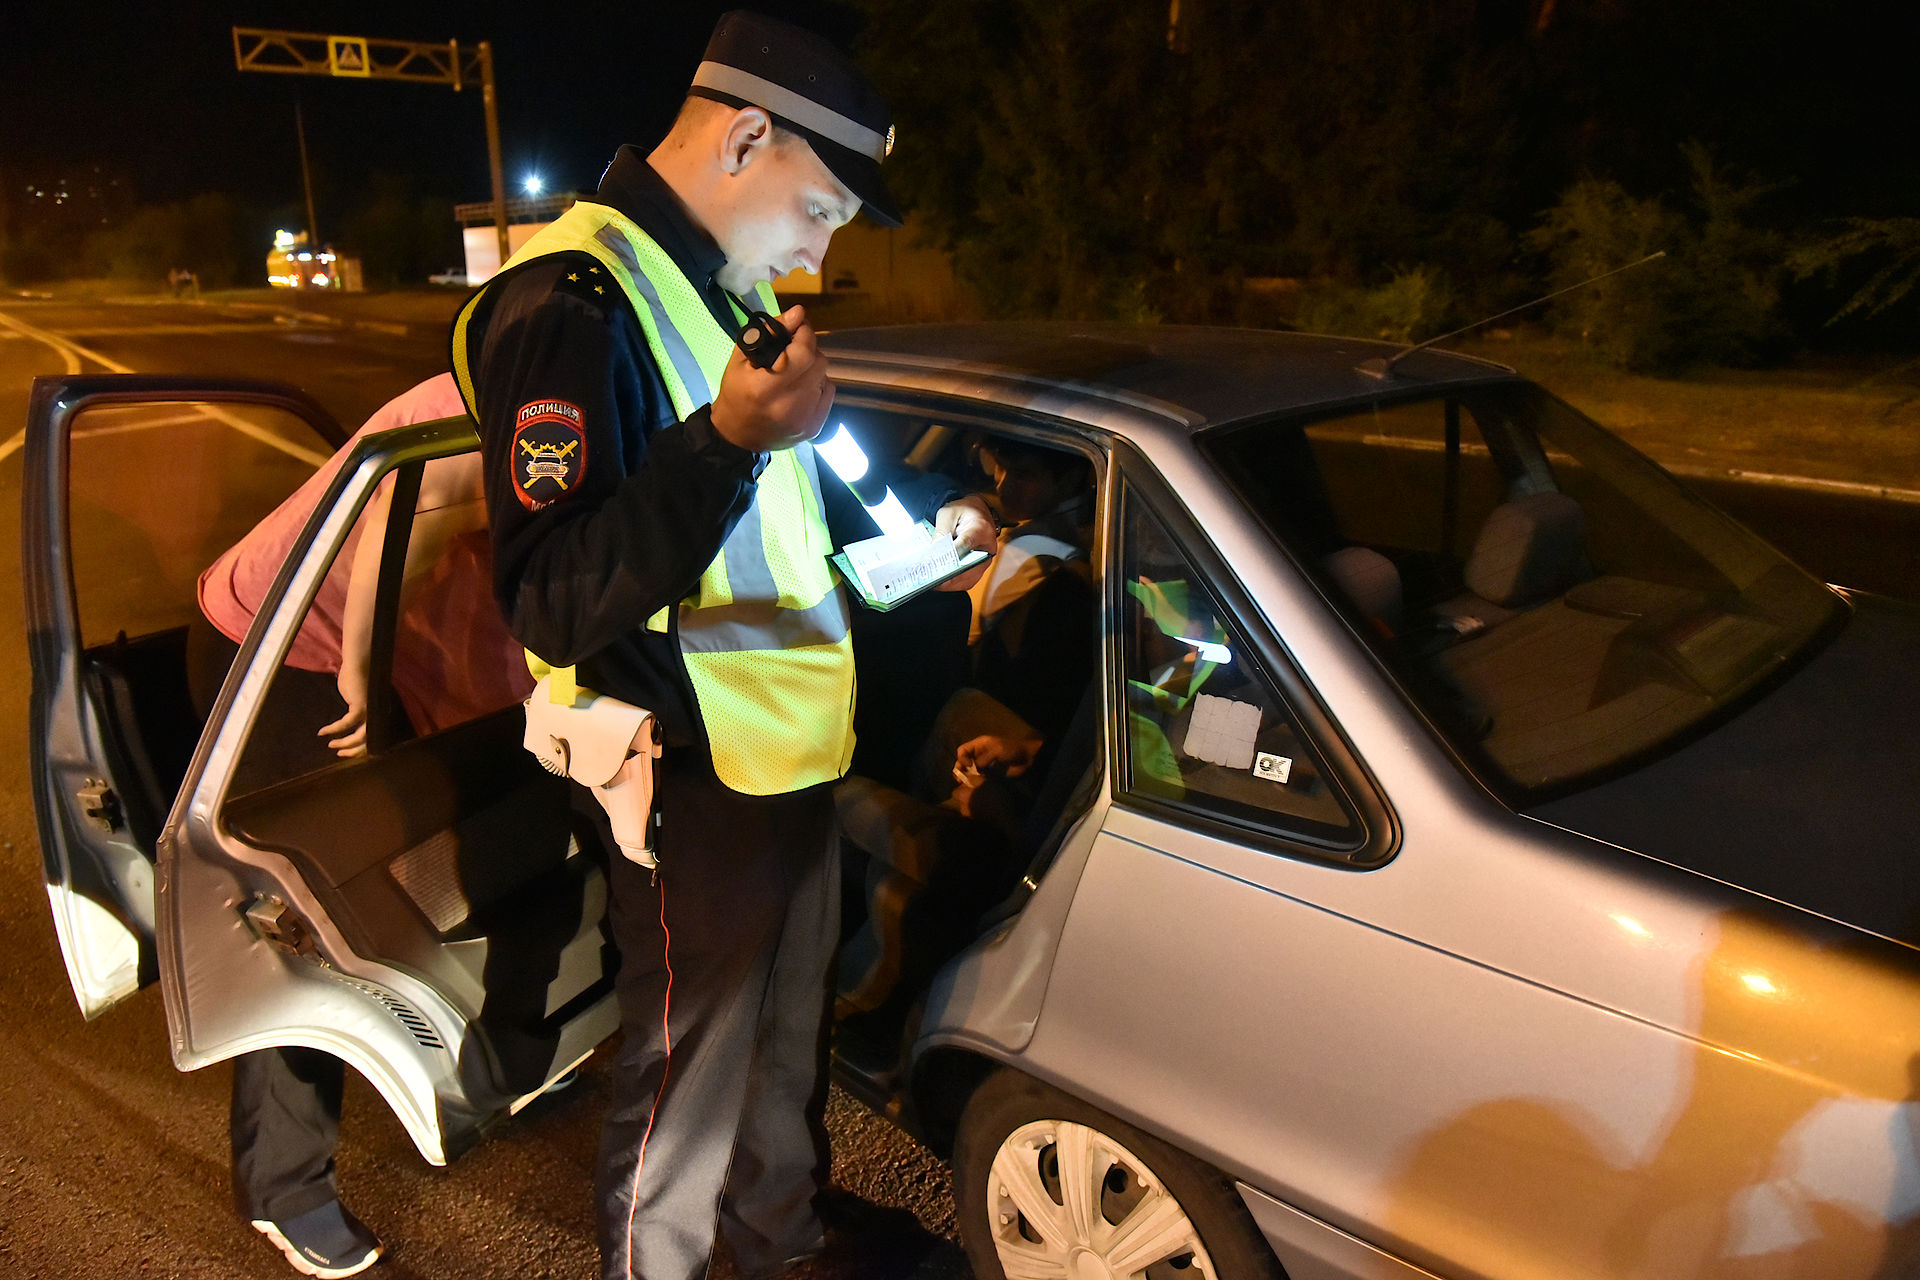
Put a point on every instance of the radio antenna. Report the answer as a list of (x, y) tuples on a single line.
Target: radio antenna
[(1380, 368)]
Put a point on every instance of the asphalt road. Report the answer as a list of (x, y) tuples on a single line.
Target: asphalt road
[(111, 1162)]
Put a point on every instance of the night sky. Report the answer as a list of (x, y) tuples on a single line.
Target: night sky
[(1820, 99), (151, 91)]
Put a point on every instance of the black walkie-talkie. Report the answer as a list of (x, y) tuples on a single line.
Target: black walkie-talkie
[(763, 339)]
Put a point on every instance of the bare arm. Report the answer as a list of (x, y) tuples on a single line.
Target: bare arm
[(458, 508)]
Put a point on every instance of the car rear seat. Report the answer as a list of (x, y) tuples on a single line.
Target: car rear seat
[(1529, 550)]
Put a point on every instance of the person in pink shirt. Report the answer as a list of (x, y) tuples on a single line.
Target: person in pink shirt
[(452, 657), (453, 661)]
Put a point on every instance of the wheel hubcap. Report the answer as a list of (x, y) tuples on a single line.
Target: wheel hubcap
[(1067, 1202), (1084, 1264)]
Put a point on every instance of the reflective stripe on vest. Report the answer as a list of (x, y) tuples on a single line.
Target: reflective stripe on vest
[(765, 636)]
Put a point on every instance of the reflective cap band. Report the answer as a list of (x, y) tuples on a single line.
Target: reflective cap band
[(802, 110)]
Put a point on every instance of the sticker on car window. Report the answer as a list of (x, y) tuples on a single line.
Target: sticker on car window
[(1272, 767), (1222, 731)]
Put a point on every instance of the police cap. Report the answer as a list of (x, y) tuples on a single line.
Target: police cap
[(809, 86)]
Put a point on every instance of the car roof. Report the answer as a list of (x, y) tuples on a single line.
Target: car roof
[(1192, 375)]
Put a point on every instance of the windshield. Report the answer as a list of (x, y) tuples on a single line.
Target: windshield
[(1558, 605)]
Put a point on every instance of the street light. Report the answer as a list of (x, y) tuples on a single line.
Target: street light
[(533, 184)]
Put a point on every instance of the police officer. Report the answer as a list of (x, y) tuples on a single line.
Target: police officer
[(661, 524)]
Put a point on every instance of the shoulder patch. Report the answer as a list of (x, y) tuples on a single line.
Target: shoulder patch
[(549, 452)]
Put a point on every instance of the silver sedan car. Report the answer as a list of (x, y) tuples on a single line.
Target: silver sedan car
[(1437, 843)]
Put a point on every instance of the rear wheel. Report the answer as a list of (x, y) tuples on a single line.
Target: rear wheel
[(1049, 1188)]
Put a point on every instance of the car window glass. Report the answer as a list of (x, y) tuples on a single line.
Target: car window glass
[(1206, 727), (157, 491), (1557, 605), (451, 658)]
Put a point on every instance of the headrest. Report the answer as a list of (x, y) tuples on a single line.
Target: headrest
[(1370, 581), (1528, 550)]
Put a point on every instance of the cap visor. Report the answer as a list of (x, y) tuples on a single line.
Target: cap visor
[(860, 174)]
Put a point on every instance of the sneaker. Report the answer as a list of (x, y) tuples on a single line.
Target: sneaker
[(327, 1242)]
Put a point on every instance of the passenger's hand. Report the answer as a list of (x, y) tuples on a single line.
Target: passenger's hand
[(353, 725), (766, 410), (988, 756), (991, 753), (970, 524)]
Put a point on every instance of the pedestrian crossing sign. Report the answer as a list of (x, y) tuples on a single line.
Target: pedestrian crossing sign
[(347, 55)]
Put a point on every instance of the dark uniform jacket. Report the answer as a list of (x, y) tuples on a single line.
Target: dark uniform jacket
[(578, 571)]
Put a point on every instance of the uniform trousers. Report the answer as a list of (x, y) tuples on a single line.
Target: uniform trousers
[(717, 1118), (285, 1123)]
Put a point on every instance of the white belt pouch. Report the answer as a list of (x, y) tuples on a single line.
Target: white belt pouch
[(608, 747)]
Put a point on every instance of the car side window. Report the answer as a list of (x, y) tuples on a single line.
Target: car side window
[(1206, 727)]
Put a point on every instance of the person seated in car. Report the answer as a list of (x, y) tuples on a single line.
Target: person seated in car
[(1032, 630), (942, 856), (1032, 654), (453, 661), (1018, 632)]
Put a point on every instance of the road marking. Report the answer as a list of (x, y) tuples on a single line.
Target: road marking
[(20, 329), (74, 353), (173, 330), (1885, 492), (146, 424), (25, 330)]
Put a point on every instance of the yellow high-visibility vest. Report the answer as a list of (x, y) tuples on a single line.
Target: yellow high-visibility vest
[(765, 636)]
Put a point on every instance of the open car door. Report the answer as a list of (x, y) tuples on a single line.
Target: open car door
[(424, 912), (132, 484)]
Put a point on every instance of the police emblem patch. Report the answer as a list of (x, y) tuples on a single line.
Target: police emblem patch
[(549, 452)]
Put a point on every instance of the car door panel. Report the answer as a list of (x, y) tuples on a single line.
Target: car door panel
[(1406, 1094), (1337, 1051), (450, 858), (107, 727), (420, 912)]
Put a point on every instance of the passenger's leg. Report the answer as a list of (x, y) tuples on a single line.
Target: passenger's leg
[(285, 1121)]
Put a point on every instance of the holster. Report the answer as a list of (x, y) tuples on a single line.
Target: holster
[(606, 745)]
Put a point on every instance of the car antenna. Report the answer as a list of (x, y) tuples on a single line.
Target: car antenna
[(1380, 368)]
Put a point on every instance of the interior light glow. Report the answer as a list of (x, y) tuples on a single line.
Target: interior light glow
[(844, 454), (1632, 926), (1759, 984), (849, 461), (891, 516), (1218, 654)]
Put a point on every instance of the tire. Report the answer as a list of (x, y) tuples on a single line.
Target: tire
[(1024, 1148)]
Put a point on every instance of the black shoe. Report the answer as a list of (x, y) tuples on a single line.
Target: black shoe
[(327, 1242), (860, 1238), (794, 1263)]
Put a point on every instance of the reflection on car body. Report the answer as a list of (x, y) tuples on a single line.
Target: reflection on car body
[(1461, 877)]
